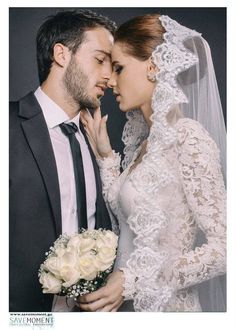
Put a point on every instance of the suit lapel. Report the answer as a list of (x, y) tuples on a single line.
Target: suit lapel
[(37, 135)]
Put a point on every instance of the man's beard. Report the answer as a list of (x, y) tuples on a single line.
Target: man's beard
[(75, 82)]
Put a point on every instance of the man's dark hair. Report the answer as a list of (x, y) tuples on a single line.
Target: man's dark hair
[(68, 28)]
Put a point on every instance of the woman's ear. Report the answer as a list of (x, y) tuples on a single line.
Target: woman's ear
[(151, 70), (61, 54)]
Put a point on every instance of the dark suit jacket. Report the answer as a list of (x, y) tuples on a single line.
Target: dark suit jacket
[(35, 210)]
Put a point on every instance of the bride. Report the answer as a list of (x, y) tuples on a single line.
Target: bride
[(172, 183)]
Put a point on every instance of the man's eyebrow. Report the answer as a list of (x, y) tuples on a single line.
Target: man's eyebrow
[(103, 51)]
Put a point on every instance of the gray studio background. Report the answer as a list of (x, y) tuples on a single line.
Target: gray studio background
[(24, 23)]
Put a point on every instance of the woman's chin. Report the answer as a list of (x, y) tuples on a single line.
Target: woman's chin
[(124, 108)]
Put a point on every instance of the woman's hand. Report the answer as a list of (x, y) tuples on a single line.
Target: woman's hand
[(106, 299), (96, 130)]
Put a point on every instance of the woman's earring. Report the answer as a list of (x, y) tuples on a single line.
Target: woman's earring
[(151, 77)]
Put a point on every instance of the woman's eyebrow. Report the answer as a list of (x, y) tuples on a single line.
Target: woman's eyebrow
[(115, 62)]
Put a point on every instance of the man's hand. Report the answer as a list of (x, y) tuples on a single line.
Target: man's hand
[(106, 299)]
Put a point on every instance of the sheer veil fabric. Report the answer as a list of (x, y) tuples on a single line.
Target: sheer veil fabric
[(185, 85)]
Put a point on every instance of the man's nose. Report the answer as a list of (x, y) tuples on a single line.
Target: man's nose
[(107, 71)]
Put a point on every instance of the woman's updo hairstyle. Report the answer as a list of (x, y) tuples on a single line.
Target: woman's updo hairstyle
[(140, 36)]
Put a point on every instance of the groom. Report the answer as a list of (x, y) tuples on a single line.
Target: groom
[(73, 54)]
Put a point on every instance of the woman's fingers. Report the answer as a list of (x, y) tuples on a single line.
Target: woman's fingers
[(86, 119), (103, 125), (86, 115), (96, 130), (104, 121), (97, 114), (92, 142)]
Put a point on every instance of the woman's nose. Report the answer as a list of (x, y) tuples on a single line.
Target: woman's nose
[(111, 82)]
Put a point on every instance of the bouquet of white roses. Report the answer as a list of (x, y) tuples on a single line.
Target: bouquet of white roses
[(78, 264)]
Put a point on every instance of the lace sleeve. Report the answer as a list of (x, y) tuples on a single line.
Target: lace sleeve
[(109, 171), (204, 189)]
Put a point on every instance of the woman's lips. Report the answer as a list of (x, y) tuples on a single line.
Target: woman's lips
[(117, 96)]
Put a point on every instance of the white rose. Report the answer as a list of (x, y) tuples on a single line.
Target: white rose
[(53, 265), (105, 257), (74, 242), (70, 276), (59, 251), (87, 243), (107, 238), (50, 283), (69, 270), (82, 242), (88, 267)]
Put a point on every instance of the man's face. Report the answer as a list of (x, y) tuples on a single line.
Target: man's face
[(90, 69)]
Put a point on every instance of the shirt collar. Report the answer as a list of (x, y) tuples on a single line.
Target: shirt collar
[(53, 114), (75, 120)]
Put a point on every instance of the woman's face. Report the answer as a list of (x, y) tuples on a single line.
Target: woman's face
[(129, 80)]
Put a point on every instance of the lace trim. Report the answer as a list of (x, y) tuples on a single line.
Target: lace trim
[(110, 171), (129, 284), (133, 135), (172, 57), (110, 162), (147, 301)]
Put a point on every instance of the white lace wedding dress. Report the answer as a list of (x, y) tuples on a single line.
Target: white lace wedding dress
[(159, 205)]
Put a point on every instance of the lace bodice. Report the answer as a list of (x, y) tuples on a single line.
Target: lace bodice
[(159, 206)]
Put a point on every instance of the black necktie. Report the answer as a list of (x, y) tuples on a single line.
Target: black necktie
[(69, 130), (102, 216)]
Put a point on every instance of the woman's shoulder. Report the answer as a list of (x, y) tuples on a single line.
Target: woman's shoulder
[(193, 137), (189, 129), (189, 125)]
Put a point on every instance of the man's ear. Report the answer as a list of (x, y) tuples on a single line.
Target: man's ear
[(61, 54), (151, 70)]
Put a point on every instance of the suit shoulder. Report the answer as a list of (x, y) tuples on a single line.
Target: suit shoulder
[(14, 105), (13, 112)]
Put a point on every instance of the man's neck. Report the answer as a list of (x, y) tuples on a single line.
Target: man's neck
[(61, 98)]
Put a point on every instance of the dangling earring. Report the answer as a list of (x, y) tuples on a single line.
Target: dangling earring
[(151, 77), (151, 70)]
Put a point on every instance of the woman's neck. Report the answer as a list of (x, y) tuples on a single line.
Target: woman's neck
[(147, 112)]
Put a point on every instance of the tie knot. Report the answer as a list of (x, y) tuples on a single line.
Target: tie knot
[(68, 129)]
